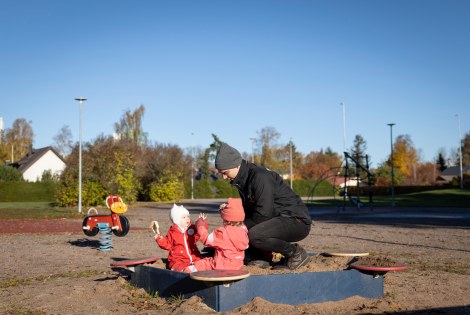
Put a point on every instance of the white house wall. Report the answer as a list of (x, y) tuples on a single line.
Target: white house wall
[(48, 161)]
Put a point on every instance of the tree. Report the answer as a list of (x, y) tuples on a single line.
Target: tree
[(130, 126), (126, 182), (109, 167), (63, 141), (358, 152), (209, 156), (426, 173), (267, 140), (441, 160), (383, 175), (466, 149), (17, 140), (159, 161), (405, 156), (320, 165)]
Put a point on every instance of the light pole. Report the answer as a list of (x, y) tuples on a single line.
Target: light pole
[(80, 100), (290, 158), (460, 152), (192, 169), (344, 126), (252, 150), (392, 163)]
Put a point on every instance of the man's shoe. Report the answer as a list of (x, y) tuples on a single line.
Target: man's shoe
[(259, 263), (299, 258)]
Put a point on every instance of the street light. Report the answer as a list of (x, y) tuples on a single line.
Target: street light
[(252, 150), (391, 160), (192, 169), (80, 100), (344, 126), (460, 152), (290, 158)]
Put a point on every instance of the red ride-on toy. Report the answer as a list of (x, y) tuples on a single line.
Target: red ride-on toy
[(118, 223)]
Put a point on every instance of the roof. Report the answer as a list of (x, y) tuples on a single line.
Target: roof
[(454, 170), (32, 156)]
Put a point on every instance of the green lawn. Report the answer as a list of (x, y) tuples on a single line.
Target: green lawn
[(452, 198), (35, 210)]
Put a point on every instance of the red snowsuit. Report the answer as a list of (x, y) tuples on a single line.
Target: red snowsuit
[(229, 243), (181, 246)]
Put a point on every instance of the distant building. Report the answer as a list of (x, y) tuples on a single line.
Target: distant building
[(37, 161), (450, 173)]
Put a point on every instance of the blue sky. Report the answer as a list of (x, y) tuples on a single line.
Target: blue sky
[(234, 67)]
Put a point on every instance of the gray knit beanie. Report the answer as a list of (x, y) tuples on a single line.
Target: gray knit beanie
[(227, 157)]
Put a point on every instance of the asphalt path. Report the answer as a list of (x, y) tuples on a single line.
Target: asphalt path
[(393, 216)]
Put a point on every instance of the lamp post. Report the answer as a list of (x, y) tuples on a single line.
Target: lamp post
[(192, 169), (252, 150), (460, 152), (290, 159), (392, 163), (80, 100), (344, 126)]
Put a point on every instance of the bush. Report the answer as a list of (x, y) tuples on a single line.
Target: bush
[(27, 191), (10, 174), (167, 188), (309, 187), (93, 194)]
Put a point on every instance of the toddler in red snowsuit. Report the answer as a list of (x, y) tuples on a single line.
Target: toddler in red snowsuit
[(229, 240), (180, 240)]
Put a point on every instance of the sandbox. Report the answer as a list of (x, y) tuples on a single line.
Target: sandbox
[(287, 288)]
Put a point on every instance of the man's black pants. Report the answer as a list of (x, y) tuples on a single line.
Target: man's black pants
[(276, 235)]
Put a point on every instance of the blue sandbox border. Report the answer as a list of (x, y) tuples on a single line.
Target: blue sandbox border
[(288, 288)]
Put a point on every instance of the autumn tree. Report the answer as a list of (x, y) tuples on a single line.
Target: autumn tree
[(405, 157), (283, 157), (320, 165), (426, 173), (16, 140), (109, 167), (63, 141), (130, 126), (162, 166)]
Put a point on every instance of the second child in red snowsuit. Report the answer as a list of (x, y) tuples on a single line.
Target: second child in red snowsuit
[(180, 240), (229, 240)]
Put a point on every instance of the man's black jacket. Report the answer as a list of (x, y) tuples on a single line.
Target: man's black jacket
[(265, 195)]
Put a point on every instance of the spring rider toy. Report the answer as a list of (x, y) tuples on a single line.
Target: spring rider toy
[(119, 224)]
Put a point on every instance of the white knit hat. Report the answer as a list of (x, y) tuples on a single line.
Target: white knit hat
[(176, 213)]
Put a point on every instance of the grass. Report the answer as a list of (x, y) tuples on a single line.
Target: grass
[(449, 198), (445, 198), (35, 210)]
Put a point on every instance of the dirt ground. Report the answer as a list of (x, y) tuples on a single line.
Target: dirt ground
[(51, 267)]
